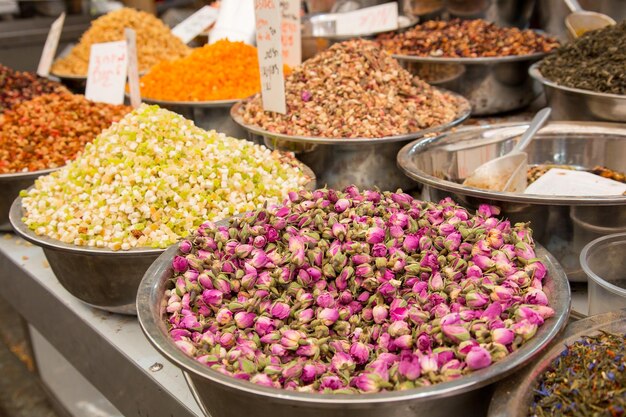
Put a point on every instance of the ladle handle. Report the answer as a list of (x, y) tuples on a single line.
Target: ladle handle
[(537, 123), (574, 6)]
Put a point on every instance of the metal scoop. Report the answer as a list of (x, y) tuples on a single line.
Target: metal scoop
[(508, 172), (581, 21)]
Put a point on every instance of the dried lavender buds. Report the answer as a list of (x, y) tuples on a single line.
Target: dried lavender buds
[(466, 39), (50, 130), (354, 291), (18, 86), (353, 89)]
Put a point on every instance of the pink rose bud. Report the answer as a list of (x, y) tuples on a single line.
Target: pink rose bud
[(212, 297), (339, 230), (263, 325), (185, 246), (536, 296), (478, 358), (342, 205), (375, 235), (379, 313), (186, 346), (536, 270), (372, 196), (428, 362), (178, 334), (366, 382), (360, 258), (483, 262), (305, 316), (492, 312), (502, 335), (524, 251), (280, 310), (475, 299), (435, 282), (325, 299), (180, 264), (224, 316), (455, 332), (331, 382), (290, 339), (308, 373), (379, 250), (403, 342), (396, 231), (227, 340), (263, 380), (409, 367), (244, 320), (387, 290), (524, 328), (308, 350), (360, 352), (398, 328), (341, 362), (328, 316)]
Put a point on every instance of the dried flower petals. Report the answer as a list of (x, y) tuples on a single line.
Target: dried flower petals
[(353, 89), (18, 86), (150, 179), (402, 294), (155, 41), (50, 130)]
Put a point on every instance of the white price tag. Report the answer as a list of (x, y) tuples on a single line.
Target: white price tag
[(567, 182), (291, 34), (133, 67), (269, 47), (368, 20), (196, 23), (50, 47), (106, 77)]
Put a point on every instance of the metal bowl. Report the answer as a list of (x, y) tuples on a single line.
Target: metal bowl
[(75, 83), (364, 162), (100, 277), (575, 104), (513, 396), (492, 84), (209, 115), (224, 396), (442, 163), (10, 187)]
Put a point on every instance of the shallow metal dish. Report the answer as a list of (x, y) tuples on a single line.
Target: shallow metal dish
[(10, 187), (100, 277), (364, 162), (575, 104), (513, 396), (491, 84), (224, 396), (442, 163), (75, 83), (209, 115)]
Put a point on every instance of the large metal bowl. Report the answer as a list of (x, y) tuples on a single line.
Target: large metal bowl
[(576, 104), (10, 187), (364, 162), (75, 83), (492, 85), (442, 163), (101, 277), (209, 115), (224, 396), (513, 396)]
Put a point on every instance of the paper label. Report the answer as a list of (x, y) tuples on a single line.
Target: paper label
[(133, 67), (196, 23), (269, 47), (106, 77), (368, 20), (291, 34), (50, 47), (567, 182)]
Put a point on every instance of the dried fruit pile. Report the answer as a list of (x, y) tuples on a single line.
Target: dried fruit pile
[(50, 130), (355, 292), (354, 89), (155, 41), (150, 179), (18, 86), (466, 39)]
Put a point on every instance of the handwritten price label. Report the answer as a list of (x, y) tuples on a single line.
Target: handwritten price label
[(268, 39), (368, 20), (291, 35), (196, 23), (106, 76), (50, 47)]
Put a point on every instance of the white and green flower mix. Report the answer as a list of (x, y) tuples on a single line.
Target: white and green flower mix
[(355, 291), (153, 177)]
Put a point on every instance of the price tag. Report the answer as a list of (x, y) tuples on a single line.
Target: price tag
[(133, 67), (196, 23), (106, 77), (269, 47), (291, 34), (50, 47), (368, 20)]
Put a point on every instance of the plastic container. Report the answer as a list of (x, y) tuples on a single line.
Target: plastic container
[(604, 262)]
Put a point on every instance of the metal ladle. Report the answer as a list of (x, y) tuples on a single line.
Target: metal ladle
[(580, 21), (508, 172)]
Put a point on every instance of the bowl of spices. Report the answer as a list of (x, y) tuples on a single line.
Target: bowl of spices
[(349, 110), (585, 79), (142, 185), (19, 86), (41, 135), (352, 303), (205, 84), (485, 63), (442, 163), (580, 374)]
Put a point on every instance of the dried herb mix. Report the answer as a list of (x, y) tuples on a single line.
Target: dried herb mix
[(587, 379), (596, 61)]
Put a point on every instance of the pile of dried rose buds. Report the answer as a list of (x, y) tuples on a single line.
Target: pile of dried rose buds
[(355, 291)]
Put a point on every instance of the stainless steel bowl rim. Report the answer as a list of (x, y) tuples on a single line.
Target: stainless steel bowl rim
[(151, 326), (339, 38), (536, 74), (406, 164), (592, 275), (69, 76), (488, 60), (194, 104), (26, 175), (463, 113)]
